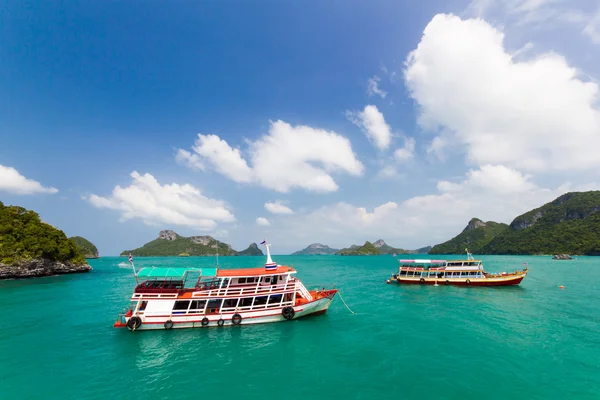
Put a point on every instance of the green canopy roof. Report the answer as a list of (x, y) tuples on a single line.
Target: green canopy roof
[(156, 272)]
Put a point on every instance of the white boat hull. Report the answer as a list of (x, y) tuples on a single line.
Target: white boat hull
[(319, 306)]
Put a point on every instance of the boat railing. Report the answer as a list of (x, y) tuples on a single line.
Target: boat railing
[(245, 290)]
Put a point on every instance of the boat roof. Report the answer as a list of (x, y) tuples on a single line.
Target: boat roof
[(422, 261), (167, 272), (281, 269)]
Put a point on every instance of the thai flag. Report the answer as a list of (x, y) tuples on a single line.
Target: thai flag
[(130, 259), (271, 266), (394, 255), (263, 242)]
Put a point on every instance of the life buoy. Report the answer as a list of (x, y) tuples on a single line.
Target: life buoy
[(204, 321), (133, 323), (288, 313), (221, 322), (168, 324), (468, 281), (422, 280), (447, 282), (236, 319)]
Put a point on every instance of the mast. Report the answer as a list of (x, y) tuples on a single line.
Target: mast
[(270, 264)]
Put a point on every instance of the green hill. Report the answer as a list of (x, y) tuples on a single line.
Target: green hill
[(315, 249), (568, 225), (367, 249), (31, 248), (85, 247), (384, 248), (252, 250), (476, 235), (170, 243)]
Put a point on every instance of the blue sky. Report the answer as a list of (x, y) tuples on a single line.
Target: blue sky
[(495, 112)]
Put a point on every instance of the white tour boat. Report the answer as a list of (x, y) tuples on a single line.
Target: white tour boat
[(166, 298)]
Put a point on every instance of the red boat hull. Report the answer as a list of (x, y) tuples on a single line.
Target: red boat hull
[(504, 281)]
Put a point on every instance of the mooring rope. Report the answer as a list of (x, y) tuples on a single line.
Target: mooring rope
[(341, 298)]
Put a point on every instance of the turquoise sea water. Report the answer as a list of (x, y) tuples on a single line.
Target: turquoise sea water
[(534, 341)]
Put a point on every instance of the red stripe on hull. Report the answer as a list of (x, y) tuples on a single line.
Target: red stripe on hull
[(440, 282)]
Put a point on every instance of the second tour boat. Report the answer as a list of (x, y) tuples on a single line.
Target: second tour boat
[(467, 272), (166, 298)]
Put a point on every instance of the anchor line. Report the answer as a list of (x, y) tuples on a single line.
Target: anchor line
[(341, 298)]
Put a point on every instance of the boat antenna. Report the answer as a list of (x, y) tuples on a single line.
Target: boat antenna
[(469, 255)]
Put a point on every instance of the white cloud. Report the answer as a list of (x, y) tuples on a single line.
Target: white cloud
[(592, 28), (373, 87), (287, 157), (492, 192), (535, 115), (373, 124), (188, 159), (12, 181), (277, 207), (407, 152), (173, 204), (261, 221), (223, 158)]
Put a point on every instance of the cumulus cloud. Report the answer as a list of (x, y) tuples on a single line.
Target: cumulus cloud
[(146, 199), (12, 181), (373, 124), (592, 28), (492, 192), (262, 221), (407, 152), (188, 159), (373, 87), (277, 207), (285, 158), (534, 115)]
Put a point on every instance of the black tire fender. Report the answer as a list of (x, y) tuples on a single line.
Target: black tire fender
[(134, 323), (236, 319), (288, 313)]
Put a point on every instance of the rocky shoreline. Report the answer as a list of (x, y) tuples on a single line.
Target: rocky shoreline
[(39, 268)]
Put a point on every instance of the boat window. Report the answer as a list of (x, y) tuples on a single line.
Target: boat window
[(260, 300), (245, 302), (197, 304), (181, 305), (275, 298), (212, 304), (241, 280), (230, 303), (267, 279)]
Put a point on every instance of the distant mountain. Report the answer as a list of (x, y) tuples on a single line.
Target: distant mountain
[(252, 250), (315, 249), (568, 225), (170, 243), (476, 235), (367, 249), (422, 250), (384, 248), (85, 247)]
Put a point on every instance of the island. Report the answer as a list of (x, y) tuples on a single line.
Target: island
[(570, 224), (169, 243), (31, 248), (315, 249), (370, 249), (252, 250), (476, 235), (85, 247)]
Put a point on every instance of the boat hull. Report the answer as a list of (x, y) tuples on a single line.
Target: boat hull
[(496, 281), (316, 307)]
